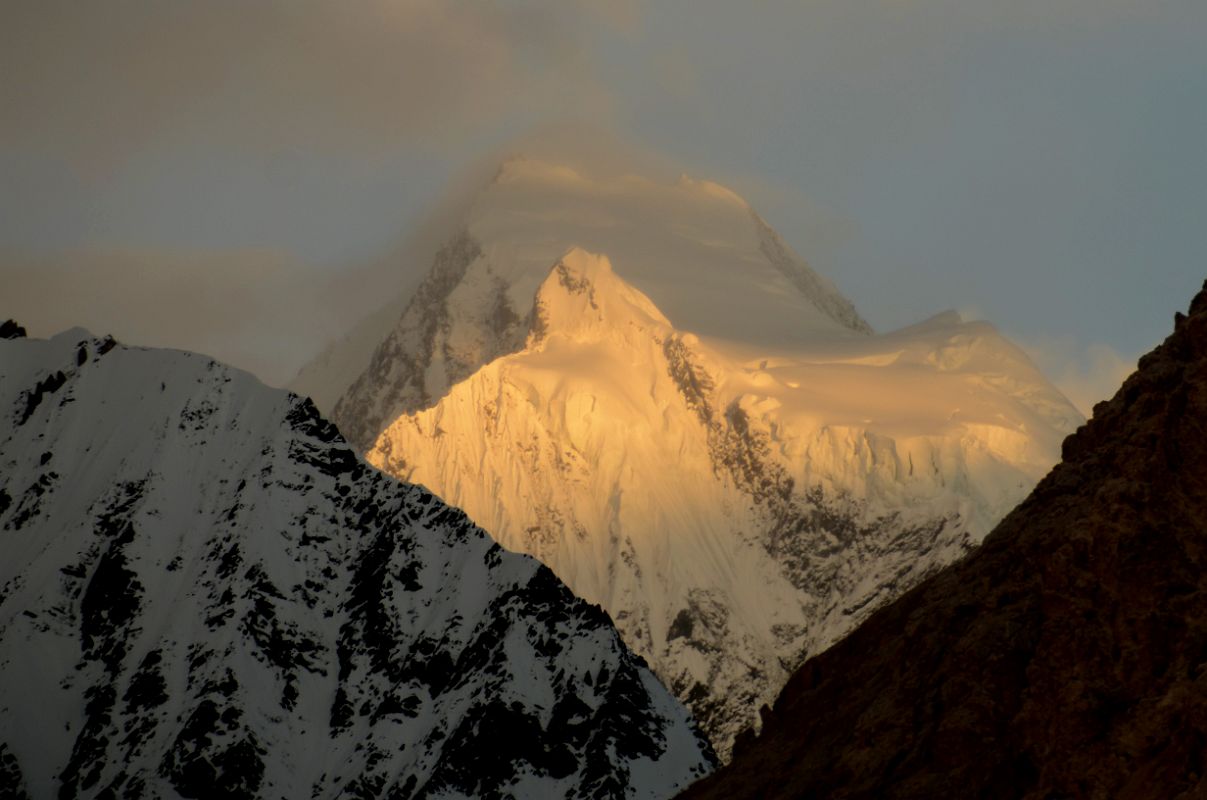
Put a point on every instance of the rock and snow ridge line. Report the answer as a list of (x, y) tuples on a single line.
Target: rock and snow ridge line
[(205, 590), (734, 510)]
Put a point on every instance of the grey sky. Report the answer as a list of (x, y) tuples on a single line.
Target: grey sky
[(1043, 164)]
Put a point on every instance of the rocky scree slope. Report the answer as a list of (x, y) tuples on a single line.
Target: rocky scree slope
[(1067, 657), (205, 593), (734, 508)]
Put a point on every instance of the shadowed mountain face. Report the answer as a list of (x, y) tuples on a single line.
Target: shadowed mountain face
[(204, 593), (1067, 657)]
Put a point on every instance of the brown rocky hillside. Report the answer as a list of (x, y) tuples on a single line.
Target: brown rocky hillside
[(1066, 658)]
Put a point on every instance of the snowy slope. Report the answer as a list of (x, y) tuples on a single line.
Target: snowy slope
[(691, 427), (204, 593)]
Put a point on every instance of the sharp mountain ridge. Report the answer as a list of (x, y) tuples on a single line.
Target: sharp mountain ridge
[(206, 593)]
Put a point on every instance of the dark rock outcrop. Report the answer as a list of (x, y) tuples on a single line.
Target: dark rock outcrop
[(1066, 658), (9, 329)]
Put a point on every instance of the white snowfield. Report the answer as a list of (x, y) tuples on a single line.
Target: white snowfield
[(204, 593), (642, 385)]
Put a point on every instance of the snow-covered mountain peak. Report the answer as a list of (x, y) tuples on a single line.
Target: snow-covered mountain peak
[(696, 249), (732, 507), (583, 298), (637, 380), (204, 593)]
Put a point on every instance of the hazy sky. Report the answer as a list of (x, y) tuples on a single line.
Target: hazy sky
[(209, 174)]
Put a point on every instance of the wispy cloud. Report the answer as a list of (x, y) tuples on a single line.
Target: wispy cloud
[(1086, 374)]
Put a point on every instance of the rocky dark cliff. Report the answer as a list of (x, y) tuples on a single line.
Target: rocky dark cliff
[(1066, 658)]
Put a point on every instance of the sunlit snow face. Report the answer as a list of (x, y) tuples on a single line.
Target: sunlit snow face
[(731, 504)]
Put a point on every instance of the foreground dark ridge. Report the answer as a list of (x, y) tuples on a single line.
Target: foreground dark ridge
[(204, 593), (1066, 658)]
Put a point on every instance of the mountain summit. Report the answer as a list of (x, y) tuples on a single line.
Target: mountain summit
[(695, 248), (642, 386), (1067, 657)]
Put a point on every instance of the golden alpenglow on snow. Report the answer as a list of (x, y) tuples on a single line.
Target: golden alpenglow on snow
[(640, 384)]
